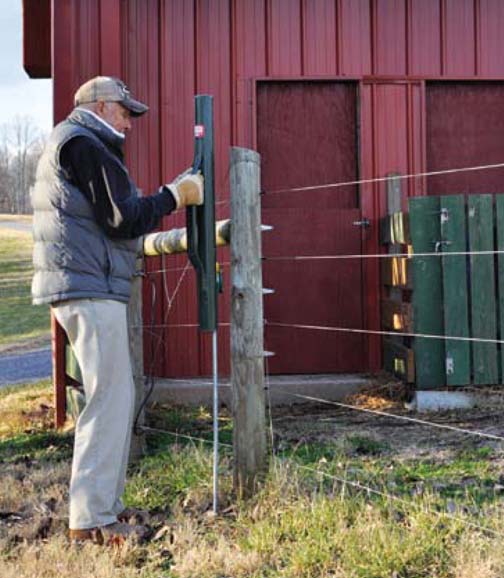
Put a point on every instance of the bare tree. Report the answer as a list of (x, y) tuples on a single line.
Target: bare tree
[(21, 144), (6, 181), (24, 137)]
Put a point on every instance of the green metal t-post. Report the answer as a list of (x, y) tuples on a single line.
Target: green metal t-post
[(201, 219), (202, 252)]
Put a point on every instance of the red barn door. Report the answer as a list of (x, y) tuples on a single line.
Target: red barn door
[(307, 135)]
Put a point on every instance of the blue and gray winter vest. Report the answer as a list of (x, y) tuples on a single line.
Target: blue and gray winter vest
[(72, 256)]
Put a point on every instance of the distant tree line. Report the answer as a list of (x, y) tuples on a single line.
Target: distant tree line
[(21, 144)]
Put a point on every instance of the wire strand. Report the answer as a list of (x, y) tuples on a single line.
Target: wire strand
[(377, 332), (175, 269), (397, 417), (392, 497), (381, 255), (180, 435), (385, 179)]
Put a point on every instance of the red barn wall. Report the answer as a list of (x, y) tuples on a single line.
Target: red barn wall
[(168, 50)]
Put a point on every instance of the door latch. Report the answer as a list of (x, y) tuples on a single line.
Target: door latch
[(364, 224)]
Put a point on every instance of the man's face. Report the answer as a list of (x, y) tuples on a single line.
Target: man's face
[(116, 115)]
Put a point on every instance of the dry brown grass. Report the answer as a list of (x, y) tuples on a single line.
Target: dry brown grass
[(57, 559), (478, 557), (11, 217), (26, 409), (296, 527)]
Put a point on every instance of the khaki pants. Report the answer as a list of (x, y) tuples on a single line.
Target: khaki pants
[(98, 332)]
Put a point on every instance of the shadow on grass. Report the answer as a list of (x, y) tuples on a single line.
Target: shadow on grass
[(46, 446)]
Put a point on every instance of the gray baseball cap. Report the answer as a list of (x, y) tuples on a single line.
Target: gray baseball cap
[(109, 89)]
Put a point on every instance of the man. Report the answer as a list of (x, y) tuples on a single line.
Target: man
[(86, 223)]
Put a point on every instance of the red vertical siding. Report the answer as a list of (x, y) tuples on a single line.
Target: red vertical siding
[(178, 74), (391, 135), (389, 47), (459, 36), (171, 49), (213, 77), (491, 38), (61, 58), (424, 46), (319, 37), (85, 34), (140, 51), (416, 140), (110, 38), (284, 38), (249, 62), (370, 210), (354, 35)]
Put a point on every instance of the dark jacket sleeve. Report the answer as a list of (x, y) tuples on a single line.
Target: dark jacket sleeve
[(106, 186)]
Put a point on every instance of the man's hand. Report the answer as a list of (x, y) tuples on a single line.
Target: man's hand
[(188, 189)]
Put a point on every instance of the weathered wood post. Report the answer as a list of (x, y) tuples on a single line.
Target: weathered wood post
[(135, 321), (247, 343)]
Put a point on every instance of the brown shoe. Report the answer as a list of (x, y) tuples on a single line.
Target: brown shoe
[(134, 516), (118, 533), (114, 534), (79, 536)]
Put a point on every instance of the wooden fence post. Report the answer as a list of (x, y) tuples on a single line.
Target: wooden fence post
[(247, 343), (136, 354)]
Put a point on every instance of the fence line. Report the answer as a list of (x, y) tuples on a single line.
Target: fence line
[(352, 483), (396, 417), (385, 179), (180, 435), (382, 255), (398, 499), (377, 332)]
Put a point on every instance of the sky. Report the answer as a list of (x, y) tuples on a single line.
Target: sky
[(20, 95)]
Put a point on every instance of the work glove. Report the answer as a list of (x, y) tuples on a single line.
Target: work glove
[(187, 189)]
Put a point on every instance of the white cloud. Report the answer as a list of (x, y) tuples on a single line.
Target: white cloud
[(19, 95)]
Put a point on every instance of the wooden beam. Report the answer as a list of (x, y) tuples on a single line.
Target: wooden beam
[(37, 38), (247, 343), (483, 301), (397, 316), (425, 222), (396, 272), (399, 360), (175, 240), (394, 229)]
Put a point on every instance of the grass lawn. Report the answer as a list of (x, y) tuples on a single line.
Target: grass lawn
[(20, 322), (301, 523)]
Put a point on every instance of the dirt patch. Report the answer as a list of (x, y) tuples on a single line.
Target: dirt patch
[(402, 438)]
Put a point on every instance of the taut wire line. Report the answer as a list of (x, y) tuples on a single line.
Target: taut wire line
[(398, 499), (175, 269), (384, 179), (344, 481), (382, 256), (179, 435), (175, 325), (379, 413), (376, 332)]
